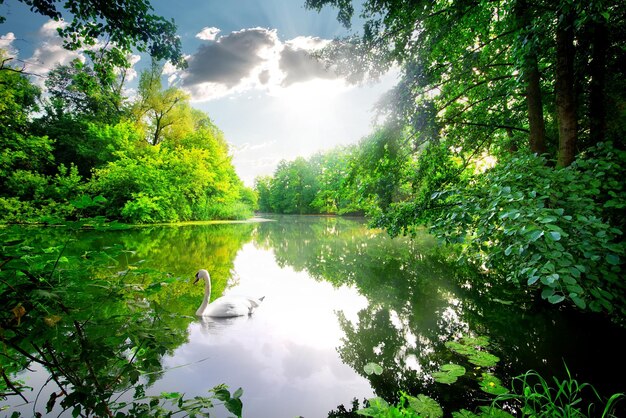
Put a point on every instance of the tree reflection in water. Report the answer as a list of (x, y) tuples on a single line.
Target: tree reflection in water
[(417, 302), (98, 312)]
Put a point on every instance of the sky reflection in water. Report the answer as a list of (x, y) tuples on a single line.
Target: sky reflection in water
[(284, 356)]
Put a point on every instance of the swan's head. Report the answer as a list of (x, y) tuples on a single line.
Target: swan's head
[(202, 275)]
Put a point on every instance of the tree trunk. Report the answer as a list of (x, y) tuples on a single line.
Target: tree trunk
[(532, 78), (564, 89), (535, 106), (597, 96)]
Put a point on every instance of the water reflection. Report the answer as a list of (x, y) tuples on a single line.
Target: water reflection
[(337, 296), (283, 355)]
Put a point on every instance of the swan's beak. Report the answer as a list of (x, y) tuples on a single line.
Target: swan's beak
[(197, 278)]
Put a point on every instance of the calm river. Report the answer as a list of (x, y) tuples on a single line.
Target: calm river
[(337, 297)]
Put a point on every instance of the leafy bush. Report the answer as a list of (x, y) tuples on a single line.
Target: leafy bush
[(552, 228)]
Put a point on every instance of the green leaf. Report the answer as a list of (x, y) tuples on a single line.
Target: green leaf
[(492, 385), (235, 406), (534, 235), (547, 292), (554, 299), (532, 280), (554, 236), (448, 373), (578, 301), (237, 394), (377, 408), (425, 406), (612, 259), (222, 394), (547, 219), (464, 413), (373, 368), (483, 359), (508, 250)]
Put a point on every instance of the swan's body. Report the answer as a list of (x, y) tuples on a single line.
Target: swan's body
[(226, 306)]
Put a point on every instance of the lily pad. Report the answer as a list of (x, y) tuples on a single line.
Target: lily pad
[(483, 359), (480, 341), (426, 407), (373, 368), (459, 348), (449, 373), (492, 385)]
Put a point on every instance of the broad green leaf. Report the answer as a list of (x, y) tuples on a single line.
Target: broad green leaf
[(535, 235), (426, 407), (547, 292), (612, 259), (483, 359), (579, 302), (373, 368), (449, 373), (235, 406), (464, 413), (237, 394), (492, 385), (554, 299), (532, 280), (547, 219), (481, 341), (554, 236), (222, 394)]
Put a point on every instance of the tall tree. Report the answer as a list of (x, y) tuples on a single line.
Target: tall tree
[(158, 109), (495, 72)]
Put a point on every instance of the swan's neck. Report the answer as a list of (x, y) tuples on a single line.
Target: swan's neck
[(206, 299)]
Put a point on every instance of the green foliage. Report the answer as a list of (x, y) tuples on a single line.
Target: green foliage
[(448, 373), (534, 396), (492, 385), (408, 406), (188, 176), (474, 349), (120, 26), (169, 185), (77, 91), (60, 310), (555, 229)]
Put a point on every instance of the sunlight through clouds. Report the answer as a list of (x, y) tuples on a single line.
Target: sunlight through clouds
[(247, 60)]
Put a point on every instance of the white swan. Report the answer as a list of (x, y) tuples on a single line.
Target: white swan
[(226, 306)]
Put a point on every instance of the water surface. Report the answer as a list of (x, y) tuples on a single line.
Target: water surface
[(337, 296)]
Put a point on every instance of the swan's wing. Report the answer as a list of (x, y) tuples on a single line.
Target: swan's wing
[(254, 303), (225, 307)]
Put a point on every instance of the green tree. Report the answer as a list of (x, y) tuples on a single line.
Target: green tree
[(263, 186), (161, 111), (81, 104), (294, 187), (482, 73), (77, 89), (120, 26)]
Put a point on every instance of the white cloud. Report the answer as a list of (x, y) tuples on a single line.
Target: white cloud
[(208, 34), (252, 59), (50, 51), (131, 73), (230, 60), (6, 43)]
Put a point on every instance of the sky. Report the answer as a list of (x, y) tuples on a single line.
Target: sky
[(250, 68)]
